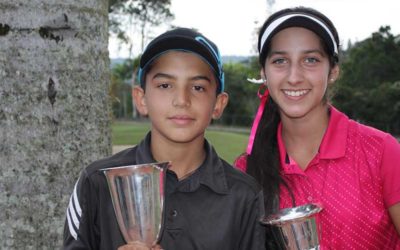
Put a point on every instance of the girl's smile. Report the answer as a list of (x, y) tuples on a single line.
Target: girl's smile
[(295, 93)]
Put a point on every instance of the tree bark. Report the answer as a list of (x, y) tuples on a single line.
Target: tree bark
[(54, 112)]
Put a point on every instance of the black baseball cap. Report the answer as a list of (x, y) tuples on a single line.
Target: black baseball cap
[(183, 39)]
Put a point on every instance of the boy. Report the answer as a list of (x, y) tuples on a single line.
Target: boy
[(208, 204)]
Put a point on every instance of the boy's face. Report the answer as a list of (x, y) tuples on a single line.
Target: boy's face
[(180, 97)]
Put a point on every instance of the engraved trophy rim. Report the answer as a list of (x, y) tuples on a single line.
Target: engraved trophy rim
[(289, 215), (166, 165)]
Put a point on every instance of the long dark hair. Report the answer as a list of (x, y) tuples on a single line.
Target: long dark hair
[(263, 163)]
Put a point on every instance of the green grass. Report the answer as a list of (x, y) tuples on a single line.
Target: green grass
[(128, 133), (228, 144)]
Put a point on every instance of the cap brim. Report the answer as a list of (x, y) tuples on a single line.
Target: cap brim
[(177, 43)]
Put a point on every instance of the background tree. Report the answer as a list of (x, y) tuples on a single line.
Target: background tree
[(368, 87), (242, 94), (133, 19), (122, 80), (54, 112)]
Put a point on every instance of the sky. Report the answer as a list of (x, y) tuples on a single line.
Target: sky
[(232, 24)]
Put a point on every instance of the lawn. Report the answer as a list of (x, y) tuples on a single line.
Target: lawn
[(228, 144)]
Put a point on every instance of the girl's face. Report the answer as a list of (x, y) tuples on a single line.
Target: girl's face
[(297, 71)]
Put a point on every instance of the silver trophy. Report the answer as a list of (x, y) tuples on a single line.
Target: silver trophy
[(296, 228), (137, 193)]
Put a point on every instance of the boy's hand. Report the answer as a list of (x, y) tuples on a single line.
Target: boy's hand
[(139, 246)]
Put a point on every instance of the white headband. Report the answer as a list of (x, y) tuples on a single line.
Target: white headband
[(282, 19)]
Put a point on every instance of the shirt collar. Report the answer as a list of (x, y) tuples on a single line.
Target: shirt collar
[(143, 152), (210, 173), (333, 143)]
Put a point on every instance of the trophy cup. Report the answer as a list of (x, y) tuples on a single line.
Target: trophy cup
[(296, 228), (137, 193)]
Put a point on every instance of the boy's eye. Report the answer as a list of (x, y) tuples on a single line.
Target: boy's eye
[(199, 88), (164, 85)]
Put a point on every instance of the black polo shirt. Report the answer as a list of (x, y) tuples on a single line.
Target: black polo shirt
[(217, 207)]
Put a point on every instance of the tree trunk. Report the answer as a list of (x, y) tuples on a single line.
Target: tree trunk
[(54, 112)]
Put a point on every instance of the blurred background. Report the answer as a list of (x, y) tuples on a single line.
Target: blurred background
[(368, 89)]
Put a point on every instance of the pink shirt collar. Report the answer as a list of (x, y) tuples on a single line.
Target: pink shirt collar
[(333, 144)]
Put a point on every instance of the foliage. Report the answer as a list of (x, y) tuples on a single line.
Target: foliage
[(368, 89), (384, 107), (138, 17), (373, 60), (121, 87), (242, 94)]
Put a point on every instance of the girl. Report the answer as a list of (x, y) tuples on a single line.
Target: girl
[(303, 150)]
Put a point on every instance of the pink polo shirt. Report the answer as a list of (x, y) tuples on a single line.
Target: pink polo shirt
[(356, 177)]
